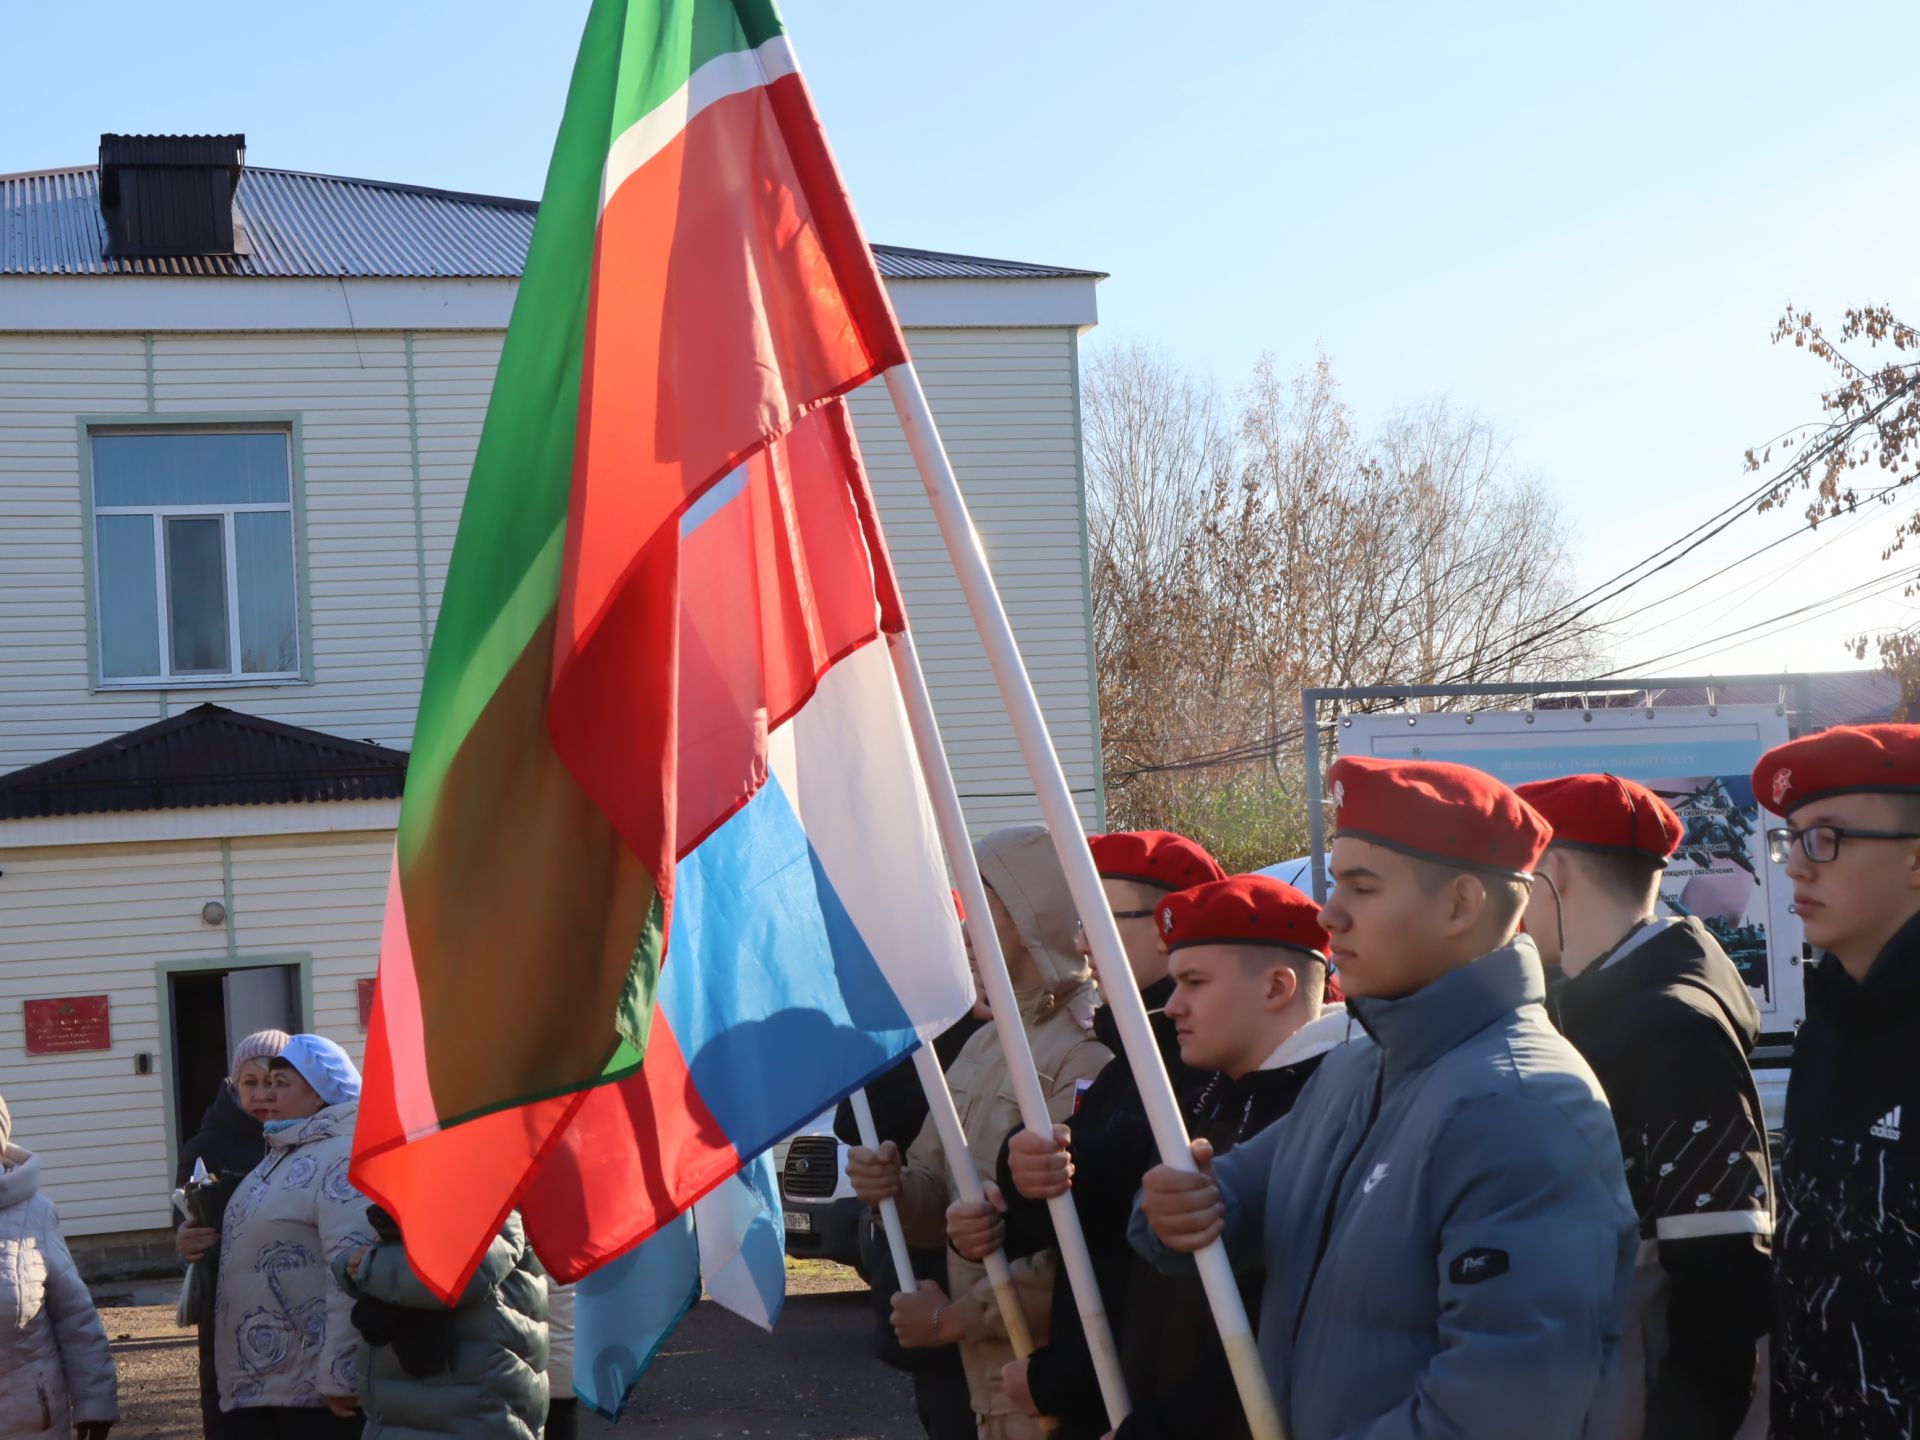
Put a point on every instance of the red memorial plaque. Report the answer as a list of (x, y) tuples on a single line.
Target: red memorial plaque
[(365, 989), (62, 1027)]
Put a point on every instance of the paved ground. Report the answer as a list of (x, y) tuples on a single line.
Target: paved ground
[(812, 1379)]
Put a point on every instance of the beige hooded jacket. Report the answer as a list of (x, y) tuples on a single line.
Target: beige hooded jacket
[(1055, 988)]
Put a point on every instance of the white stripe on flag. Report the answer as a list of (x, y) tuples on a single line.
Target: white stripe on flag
[(733, 73), (847, 764)]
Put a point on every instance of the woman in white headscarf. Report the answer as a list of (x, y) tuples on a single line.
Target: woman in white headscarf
[(286, 1350)]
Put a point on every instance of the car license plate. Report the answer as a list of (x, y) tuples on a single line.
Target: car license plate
[(797, 1220)]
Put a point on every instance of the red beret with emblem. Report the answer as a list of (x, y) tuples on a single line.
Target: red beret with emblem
[(1606, 814), (1153, 857), (1450, 814), (1242, 910), (1846, 760)]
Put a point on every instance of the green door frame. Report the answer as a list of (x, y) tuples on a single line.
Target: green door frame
[(163, 973)]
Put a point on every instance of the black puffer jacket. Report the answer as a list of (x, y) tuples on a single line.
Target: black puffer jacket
[(1667, 1024), (1846, 1355)]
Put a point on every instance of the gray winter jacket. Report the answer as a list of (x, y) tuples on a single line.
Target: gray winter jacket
[(1444, 1223), (55, 1367), (495, 1386)]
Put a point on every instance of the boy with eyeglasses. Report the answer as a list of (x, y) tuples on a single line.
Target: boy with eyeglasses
[(1846, 1353)]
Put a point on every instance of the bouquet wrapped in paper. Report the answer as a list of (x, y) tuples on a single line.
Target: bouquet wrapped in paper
[(202, 1201)]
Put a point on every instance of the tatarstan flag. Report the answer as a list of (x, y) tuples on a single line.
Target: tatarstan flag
[(658, 719)]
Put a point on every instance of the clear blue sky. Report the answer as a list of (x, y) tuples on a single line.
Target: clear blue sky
[(1581, 222)]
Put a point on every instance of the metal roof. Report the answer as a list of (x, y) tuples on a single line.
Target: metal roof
[(207, 756), (1833, 697), (300, 225)]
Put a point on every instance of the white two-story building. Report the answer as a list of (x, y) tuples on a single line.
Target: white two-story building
[(237, 412)]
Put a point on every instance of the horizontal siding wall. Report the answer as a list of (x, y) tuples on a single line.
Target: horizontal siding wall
[(90, 921), (317, 895), (1004, 401), (389, 427), (101, 919)]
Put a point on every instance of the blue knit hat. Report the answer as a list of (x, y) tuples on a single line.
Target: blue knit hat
[(324, 1066)]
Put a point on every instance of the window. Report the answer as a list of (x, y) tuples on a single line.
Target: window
[(193, 550)]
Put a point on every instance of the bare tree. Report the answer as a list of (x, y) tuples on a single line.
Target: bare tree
[(1873, 425), (1236, 564)]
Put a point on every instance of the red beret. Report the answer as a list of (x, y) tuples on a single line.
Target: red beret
[(1846, 760), (1243, 910), (1606, 814), (1450, 814), (1153, 857)]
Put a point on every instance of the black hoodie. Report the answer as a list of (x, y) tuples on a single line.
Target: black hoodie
[(1846, 1359), (1667, 1024)]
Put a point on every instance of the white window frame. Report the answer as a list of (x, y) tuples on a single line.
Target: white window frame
[(168, 678)]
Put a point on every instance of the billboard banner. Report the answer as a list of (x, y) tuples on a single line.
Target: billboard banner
[(1699, 759)]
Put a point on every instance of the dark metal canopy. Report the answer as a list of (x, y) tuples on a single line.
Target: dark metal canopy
[(207, 756)]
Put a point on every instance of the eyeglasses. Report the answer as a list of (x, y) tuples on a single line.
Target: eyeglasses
[(1821, 843), (1080, 926)]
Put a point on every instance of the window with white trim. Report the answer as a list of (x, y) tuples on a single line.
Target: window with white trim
[(194, 555)]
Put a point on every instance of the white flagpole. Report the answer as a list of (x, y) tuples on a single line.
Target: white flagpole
[(889, 1212), (966, 1177), (992, 964), (1063, 820)]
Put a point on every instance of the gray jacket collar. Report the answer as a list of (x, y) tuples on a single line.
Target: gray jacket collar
[(1417, 1029)]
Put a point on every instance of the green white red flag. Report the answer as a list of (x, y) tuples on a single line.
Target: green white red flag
[(667, 555)]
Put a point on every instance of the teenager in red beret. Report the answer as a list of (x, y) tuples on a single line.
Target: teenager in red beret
[(1659, 1011), (1249, 964), (1846, 1350), (1443, 1219), (1108, 1137)]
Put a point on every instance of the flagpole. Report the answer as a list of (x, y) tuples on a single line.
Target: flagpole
[(889, 1212), (966, 1176), (1063, 820), (1005, 1005)]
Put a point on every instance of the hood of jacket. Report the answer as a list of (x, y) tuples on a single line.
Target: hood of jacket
[(1659, 956), (321, 1125), (1333, 1026), (1019, 866), (19, 1176)]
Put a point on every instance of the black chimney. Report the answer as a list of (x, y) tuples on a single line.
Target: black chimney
[(167, 195)]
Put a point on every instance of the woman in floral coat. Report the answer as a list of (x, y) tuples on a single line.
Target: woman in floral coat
[(285, 1347)]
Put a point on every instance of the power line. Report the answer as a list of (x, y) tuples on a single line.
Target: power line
[(1793, 534), (1853, 595)]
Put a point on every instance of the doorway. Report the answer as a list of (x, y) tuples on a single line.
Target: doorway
[(213, 1010)]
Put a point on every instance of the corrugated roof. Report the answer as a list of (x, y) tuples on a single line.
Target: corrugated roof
[(299, 225), (207, 756)]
